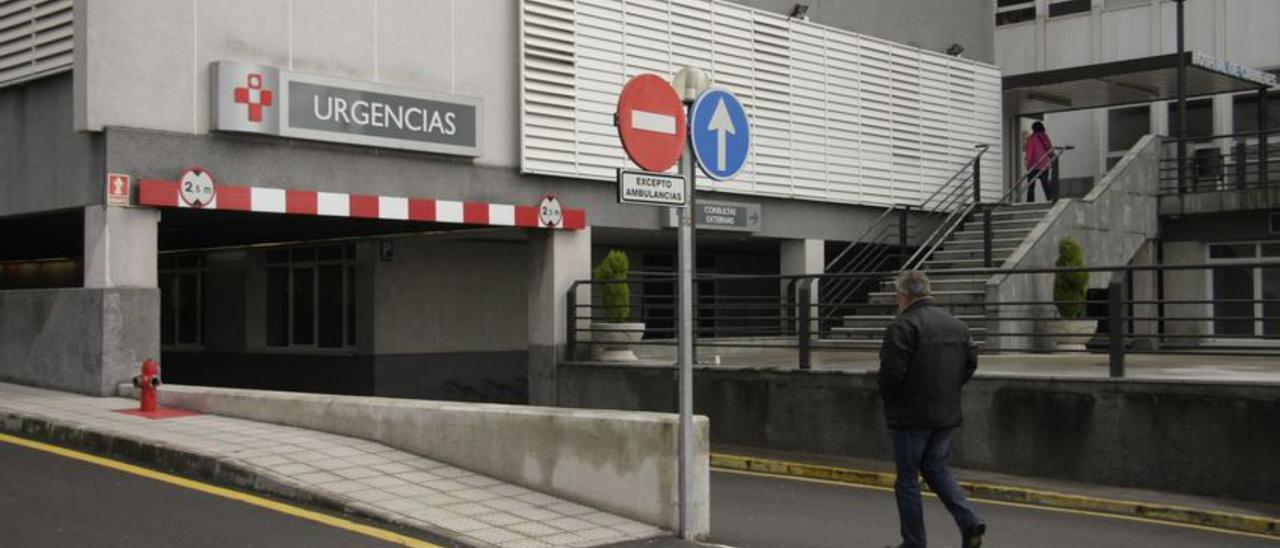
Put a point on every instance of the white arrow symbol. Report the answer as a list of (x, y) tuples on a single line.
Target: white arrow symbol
[(721, 124)]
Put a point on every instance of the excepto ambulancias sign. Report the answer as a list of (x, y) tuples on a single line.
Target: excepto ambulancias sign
[(262, 99), (642, 187)]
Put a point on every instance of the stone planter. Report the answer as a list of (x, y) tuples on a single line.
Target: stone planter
[(614, 342), (1072, 334)]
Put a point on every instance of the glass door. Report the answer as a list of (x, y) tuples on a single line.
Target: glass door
[(1241, 294)]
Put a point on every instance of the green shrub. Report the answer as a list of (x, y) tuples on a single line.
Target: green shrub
[(617, 296), (1070, 286)]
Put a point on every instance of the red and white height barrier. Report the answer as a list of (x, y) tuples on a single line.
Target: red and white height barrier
[(341, 204)]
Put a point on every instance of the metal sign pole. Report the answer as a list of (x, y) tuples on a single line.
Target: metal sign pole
[(685, 281)]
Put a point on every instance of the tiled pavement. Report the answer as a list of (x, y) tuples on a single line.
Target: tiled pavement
[(392, 484)]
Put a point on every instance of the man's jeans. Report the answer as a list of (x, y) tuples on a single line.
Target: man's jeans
[(926, 452)]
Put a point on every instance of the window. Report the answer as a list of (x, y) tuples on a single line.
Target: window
[(1199, 118), (181, 300), (1059, 8), (1125, 3), (1125, 126), (1245, 113), (1241, 294), (1009, 12), (310, 299)]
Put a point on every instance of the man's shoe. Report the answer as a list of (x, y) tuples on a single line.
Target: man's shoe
[(973, 537)]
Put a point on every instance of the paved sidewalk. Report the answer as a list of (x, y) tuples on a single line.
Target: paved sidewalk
[(358, 475)]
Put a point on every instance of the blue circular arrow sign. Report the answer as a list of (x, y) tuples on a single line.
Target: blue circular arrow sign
[(720, 133)]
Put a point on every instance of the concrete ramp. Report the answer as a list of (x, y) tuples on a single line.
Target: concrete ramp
[(624, 462)]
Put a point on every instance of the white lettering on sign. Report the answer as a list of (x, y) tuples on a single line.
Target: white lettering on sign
[(653, 121), (383, 115)]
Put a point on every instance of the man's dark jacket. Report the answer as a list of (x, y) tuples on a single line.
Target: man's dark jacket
[(926, 357)]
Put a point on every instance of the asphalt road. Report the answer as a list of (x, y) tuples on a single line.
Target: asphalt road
[(48, 500), (754, 511)]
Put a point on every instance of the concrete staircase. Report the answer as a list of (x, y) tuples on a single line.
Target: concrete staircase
[(962, 295)]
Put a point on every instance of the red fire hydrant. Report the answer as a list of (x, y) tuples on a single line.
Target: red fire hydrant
[(148, 381)]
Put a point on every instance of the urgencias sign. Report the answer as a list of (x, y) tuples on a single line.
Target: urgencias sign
[(262, 99)]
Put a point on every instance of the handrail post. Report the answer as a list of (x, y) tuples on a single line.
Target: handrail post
[(571, 330), (1115, 324), (1054, 178), (902, 234), (987, 235), (791, 306), (1262, 137), (804, 313), (977, 180), (1242, 153)]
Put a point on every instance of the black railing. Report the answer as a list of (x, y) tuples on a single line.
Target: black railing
[(780, 314), (889, 236), (1217, 163)]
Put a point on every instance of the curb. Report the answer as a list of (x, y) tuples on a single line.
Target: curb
[(188, 464), (984, 491)]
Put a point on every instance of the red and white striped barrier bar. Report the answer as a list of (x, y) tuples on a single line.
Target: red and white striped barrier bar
[(340, 204)]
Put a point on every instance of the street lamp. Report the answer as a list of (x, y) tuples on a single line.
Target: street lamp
[(689, 83)]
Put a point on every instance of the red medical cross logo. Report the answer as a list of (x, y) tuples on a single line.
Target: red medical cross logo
[(254, 96)]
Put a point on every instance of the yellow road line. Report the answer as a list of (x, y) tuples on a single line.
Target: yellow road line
[(1006, 503), (318, 517)]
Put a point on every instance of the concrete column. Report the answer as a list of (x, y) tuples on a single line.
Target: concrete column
[(120, 266), (557, 258), (120, 247), (1159, 118), (1144, 289), (1187, 285), (803, 257)]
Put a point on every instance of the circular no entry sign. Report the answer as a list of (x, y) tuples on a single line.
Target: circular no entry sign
[(651, 122)]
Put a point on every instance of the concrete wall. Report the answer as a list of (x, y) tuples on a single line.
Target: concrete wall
[(621, 462), (44, 166), (928, 24), (1199, 438), (1237, 31), (450, 296), (450, 46), (1111, 223), (280, 163), (81, 340)]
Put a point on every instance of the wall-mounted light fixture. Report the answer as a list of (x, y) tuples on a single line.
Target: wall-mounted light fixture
[(801, 12)]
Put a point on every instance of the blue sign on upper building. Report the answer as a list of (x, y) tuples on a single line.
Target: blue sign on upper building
[(721, 134)]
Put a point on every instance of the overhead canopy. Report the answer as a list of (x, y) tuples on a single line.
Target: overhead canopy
[(1125, 82)]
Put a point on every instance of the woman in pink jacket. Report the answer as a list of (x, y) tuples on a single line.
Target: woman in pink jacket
[(1038, 162)]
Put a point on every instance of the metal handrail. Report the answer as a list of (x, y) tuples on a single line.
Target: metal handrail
[(1245, 134), (874, 250), (957, 216)]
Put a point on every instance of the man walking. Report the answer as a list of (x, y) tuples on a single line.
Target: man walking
[(926, 357)]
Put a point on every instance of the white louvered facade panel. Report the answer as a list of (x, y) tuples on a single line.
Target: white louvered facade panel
[(835, 116), (35, 39)]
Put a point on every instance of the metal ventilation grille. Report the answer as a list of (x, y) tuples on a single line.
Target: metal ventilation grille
[(836, 116), (35, 39)]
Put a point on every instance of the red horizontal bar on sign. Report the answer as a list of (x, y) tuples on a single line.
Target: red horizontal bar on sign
[(421, 209), (234, 198), (527, 216), (364, 206), (300, 202), (575, 219), (158, 193), (475, 213)]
